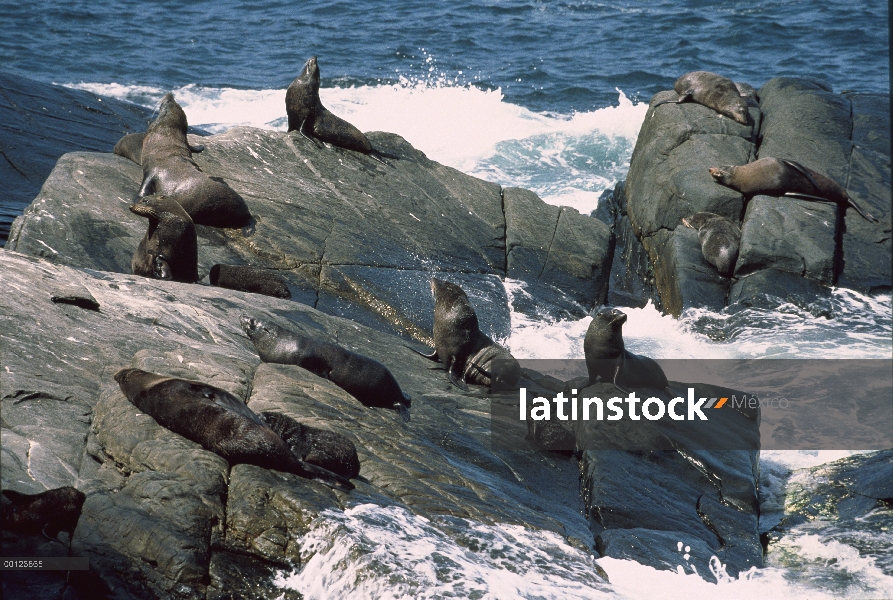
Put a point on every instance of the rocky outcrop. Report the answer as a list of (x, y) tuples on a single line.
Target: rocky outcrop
[(792, 250), (351, 236), (165, 518)]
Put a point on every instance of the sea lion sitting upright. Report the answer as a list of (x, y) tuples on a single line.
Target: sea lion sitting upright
[(169, 250), (218, 421), (466, 352), (719, 239), (309, 117), (782, 177), (48, 512), (249, 279), (608, 360), (713, 91), (364, 378), (131, 146), (168, 169)]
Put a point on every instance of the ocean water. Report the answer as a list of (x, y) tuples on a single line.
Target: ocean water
[(544, 95)]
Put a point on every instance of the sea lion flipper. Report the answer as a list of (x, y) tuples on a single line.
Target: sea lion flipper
[(301, 131), (196, 149), (685, 96), (148, 187), (802, 170), (456, 381), (404, 414), (162, 268), (432, 356), (867, 216), (378, 156), (325, 476)]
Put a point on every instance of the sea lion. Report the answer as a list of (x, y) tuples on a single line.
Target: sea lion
[(320, 447), (218, 421), (249, 279), (309, 117), (465, 351), (713, 91), (782, 177), (131, 146), (364, 378), (719, 239), (608, 360), (169, 250), (168, 169), (48, 512)]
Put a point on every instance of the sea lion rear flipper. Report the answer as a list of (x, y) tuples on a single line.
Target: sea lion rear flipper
[(868, 217), (404, 414), (432, 356), (379, 157)]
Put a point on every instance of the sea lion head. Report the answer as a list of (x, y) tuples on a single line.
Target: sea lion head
[(444, 291), (722, 175), (170, 115), (254, 328), (737, 108), (132, 381), (698, 220), (606, 325), (310, 72)]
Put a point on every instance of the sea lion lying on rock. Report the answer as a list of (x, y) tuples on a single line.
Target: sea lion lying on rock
[(364, 378), (169, 250), (608, 360), (320, 447), (249, 279), (466, 352), (48, 512), (168, 169), (713, 91), (219, 422), (782, 177), (719, 239)]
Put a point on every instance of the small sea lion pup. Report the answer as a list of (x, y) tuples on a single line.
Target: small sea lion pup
[(782, 177), (364, 378), (713, 91), (169, 250), (467, 354), (168, 168), (719, 239), (219, 422), (608, 360), (131, 146), (320, 447), (48, 512), (249, 279), (309, 117)]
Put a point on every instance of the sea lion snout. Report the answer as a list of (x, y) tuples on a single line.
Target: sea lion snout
[(612, 316), (249, 324)]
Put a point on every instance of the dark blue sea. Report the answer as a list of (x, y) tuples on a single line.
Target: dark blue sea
[(545, 95)]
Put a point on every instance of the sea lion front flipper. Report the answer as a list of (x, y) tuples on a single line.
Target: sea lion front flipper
[(333, 480), (148, 187), (196, 149), (378, 156), (617, 383), (162, 268), (802, 170), (457, 382), (432, 356), (404, 414), (301, 131)]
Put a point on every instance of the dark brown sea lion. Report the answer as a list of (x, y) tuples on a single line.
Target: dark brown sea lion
[(168, 169), (48, 512), (608, 360), (218, 421), (781, 177), (320, 447), (131, 146), (713, 91), (169, 250), (249, 279), (719, 239), (364, 378), (466, 352), (309, 117)]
